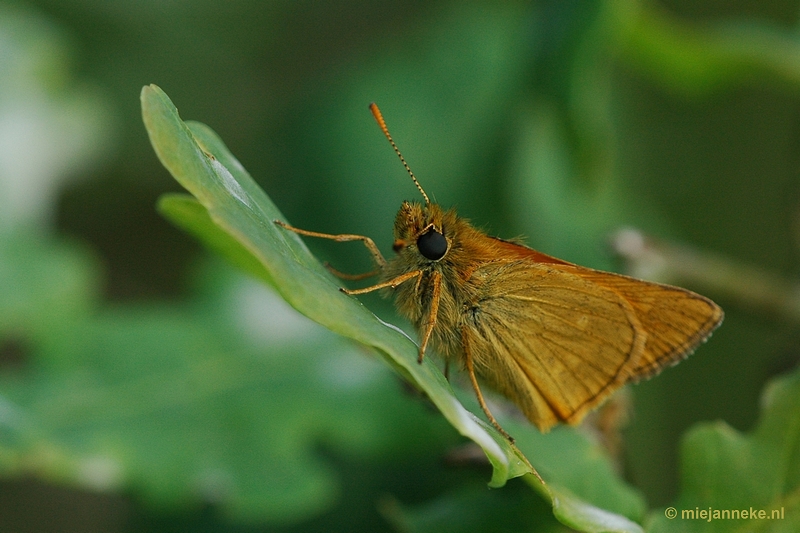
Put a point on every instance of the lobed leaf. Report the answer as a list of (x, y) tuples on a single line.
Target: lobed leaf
[(725, 470)]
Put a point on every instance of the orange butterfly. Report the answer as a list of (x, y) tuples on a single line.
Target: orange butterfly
[(554, 337)]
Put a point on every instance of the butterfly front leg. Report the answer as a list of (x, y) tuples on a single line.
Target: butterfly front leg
[(392, 283), (344, 237)]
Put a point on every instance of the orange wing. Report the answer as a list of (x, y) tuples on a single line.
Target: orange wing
[(560, 338), (675, 320), (554, 343)]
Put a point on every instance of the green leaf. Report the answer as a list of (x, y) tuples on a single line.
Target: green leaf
[(724, 470), (585, 517), (200, 162)]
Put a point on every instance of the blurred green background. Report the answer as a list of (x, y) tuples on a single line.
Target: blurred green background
[(141, 380)]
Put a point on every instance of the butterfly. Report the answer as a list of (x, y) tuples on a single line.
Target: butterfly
[(555, 338)]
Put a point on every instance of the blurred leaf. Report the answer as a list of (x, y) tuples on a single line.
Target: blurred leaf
[(186, 418), (45, 283), (699, 59), (201, 163), (177, 405), (725, 470), (471, 508), (187, 213)]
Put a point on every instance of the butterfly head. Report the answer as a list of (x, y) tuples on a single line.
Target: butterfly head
[(420, 229)]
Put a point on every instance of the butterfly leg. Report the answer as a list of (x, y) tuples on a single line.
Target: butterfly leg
[(344, 237), (434, 311), (436, 279), (477, 389), (392, 283)]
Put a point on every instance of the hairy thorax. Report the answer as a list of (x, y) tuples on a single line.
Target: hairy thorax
[(461, 286)]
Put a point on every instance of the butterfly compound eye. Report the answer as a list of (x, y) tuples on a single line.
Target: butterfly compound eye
[(432, 245)]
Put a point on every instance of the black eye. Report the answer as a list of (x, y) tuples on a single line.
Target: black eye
[(432, 245)]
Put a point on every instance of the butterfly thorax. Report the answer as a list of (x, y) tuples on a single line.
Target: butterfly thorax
[(461, 285)]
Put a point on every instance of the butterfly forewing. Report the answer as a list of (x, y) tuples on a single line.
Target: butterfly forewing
[(555, 343), (676, 320)]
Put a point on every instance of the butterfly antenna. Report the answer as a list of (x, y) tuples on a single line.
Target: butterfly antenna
[(379, 118)]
